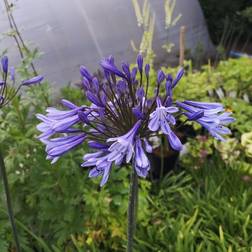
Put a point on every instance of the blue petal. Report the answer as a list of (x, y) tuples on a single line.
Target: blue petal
[(204, 105), (174, 141), (105, 174), (85, 73), (154, 123), (140, 62)]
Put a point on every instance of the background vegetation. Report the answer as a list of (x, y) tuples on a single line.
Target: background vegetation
[(229, 22)]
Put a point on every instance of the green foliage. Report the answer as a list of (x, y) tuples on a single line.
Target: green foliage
[(170, 20), (233, 76), (203, 210), (247, 13), (242, 111)]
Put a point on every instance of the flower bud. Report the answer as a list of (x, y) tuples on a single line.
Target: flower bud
[(85, 83), (126, 70), (4, 62), (133, 73), (95, 84), (147, 70), (68, 104), (140, 63), (161, 76), (33, 80), (178, 77), (84, 72), (140, 93), (121, 86), (94, 99), (111, 68)]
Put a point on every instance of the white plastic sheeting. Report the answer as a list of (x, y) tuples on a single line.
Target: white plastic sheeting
[(71, 33)]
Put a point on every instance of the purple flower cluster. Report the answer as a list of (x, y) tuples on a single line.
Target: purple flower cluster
[(7, 90), (123, 114)]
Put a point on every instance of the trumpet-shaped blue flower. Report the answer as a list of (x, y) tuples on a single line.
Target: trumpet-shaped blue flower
[(56, 147), (122, 149), (58, 121), (210, 116), (141, 161), (161, 119), (123, 146)]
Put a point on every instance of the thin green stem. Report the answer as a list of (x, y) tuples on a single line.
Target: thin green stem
[(132, 209), (8, 201)]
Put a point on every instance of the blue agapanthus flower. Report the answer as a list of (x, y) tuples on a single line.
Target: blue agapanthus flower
[(7, 82), (122, 116)]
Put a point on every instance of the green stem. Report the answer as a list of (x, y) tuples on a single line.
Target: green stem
[(132, 209), (8, 201)]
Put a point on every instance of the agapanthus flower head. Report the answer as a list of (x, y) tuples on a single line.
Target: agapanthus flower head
[(7, 82), (122, 116)]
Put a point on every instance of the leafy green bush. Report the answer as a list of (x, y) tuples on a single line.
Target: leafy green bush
[(231, 84)]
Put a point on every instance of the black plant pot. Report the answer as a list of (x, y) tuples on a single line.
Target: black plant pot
[(162, 165), (164, 161)]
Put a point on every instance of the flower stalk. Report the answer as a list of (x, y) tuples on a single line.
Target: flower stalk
[(8, 201), (132, 210)]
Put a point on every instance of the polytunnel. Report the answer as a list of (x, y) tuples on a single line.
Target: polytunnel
[(71, 33), (139, 155)]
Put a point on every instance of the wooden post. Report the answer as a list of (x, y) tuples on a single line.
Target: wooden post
[(182, 45)]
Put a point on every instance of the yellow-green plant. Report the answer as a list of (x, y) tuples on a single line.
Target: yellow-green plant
[(246, 141), (170, 20), (146, 20)]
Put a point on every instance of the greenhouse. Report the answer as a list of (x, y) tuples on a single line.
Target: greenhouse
[(126, 126)]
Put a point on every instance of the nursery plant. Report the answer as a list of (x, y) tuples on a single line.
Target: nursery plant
[(121, 119)]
